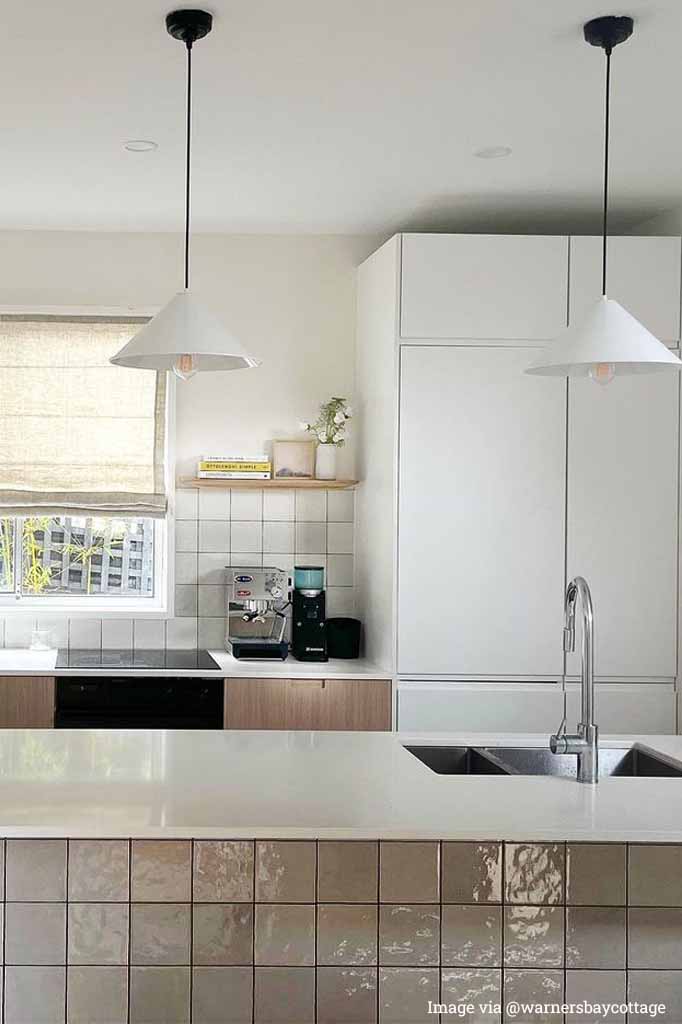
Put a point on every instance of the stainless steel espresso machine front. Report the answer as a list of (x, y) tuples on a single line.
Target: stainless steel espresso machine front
[(256, 623)]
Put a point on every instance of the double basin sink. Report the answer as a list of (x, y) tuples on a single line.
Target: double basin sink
[(614, 762)]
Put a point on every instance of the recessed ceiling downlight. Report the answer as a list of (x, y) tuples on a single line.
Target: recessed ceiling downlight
[(492, 152), (140, 145)]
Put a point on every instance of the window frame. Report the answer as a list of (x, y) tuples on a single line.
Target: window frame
[(160, 606)]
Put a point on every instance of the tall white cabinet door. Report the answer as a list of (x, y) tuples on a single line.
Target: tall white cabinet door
[(484, 286), (481, 514), (622, 519), (643, 275)]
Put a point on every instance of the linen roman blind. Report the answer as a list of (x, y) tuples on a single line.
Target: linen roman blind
[(77, 434)]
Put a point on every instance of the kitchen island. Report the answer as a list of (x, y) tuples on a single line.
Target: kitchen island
[(327, 877)]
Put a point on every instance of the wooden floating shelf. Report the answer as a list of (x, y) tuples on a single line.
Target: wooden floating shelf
[(280, 484)]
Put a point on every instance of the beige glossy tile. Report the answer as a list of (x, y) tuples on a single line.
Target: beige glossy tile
[(595, 938), (471, 936), (223, 871), (472, 872), (405, 992), (285, 935), (655, 876), (346, 935), (544, 988), (284, 995), (648, 987), (346, 995), (595, 988), (35, 995), (409, 872), (97, 995), (223, 934), (595, 874), (285, 872), (36, 869), (655, 938), (222, 995), (348, 872), (98, 933), (534, 873), (468, 987), (533, 937), (409, 935), (98, 870), (160, 934), (159, 995), (161, 870), (35, 933)]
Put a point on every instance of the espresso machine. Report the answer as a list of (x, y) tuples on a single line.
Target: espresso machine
[(309, 628), (256, 620)]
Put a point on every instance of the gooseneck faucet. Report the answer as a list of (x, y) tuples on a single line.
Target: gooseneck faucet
[(584, 742)]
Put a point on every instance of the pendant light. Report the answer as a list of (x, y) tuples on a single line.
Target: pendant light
[(610, 340), (183, 336)]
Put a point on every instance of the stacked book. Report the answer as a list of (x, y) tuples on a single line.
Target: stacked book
[(235, 467)]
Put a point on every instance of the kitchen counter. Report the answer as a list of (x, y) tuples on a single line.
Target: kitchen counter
[(184, 784), (18, 662)]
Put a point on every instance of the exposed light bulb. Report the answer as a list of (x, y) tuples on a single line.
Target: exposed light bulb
[(184, 366), (603, 373)]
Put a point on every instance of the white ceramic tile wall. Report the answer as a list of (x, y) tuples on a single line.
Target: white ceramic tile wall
[(215, 528)]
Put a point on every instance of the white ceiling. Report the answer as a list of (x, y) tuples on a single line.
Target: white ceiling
[(336, 115)]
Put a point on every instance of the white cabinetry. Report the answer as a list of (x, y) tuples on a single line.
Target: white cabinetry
[(622, 519), (483, 286), (479, 707), (645, 708), (643, 275), (481, 513)]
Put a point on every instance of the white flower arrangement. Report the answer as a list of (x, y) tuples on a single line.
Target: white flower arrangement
[(330, 425)]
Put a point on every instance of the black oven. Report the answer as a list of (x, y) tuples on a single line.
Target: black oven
[(138, 702)]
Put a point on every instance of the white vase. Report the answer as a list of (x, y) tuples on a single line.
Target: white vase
[(325, 462)]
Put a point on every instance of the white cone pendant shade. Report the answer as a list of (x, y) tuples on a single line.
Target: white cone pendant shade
[(186, 338), (608, 342)]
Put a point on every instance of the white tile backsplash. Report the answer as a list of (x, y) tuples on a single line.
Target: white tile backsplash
[(117, 633), (214, 535), (278, 537), (85, 633), (186, 535), (186, 567), (340, 506), (214, 504), (212, 566), (212, 600), (247, 505), (149, 634), (311, 538), (214, 528), (340, 538), (311, 506), (279, 506), (187, 503), (247, 536)]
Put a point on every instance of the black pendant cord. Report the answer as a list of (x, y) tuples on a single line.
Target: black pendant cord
[(188, 168), (605, 218)]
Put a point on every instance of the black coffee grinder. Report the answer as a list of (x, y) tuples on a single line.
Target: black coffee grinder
[(308, 629)]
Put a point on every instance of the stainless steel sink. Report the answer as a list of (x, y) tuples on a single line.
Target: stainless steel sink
[(615, 762)]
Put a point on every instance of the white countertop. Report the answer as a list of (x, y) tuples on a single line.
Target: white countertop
[(18, 662), (303, 785)]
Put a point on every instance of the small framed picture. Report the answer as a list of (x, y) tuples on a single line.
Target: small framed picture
[(293, 459)]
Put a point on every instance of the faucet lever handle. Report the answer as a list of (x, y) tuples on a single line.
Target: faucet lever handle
[(569, 639)]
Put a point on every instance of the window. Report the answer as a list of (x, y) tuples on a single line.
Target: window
[(83, 470), (43, 556)]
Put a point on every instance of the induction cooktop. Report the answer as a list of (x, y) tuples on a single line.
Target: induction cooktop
[(125, 659)]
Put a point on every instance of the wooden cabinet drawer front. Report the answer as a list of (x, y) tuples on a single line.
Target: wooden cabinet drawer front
[(318, 704), (26, 702)]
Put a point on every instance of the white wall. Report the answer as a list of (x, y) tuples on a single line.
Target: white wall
[(669, 222), (289, 298)]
